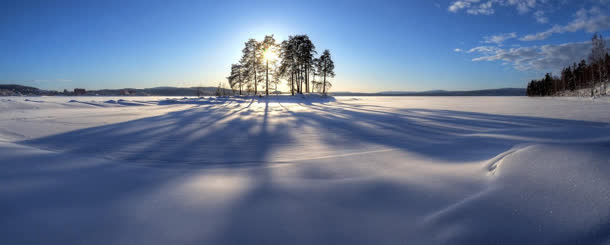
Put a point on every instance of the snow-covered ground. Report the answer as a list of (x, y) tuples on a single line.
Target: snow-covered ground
[(345, 170)]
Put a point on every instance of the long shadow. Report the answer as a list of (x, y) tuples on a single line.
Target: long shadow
[(193, 137), (221, 135), (374, 211), (217, 133), (454, 136), (72, 201)]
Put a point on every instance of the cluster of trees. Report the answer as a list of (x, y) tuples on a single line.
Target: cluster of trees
[(578, 76), (266, 63)]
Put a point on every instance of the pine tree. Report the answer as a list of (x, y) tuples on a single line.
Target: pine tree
[(326, 68), (288, 61), (269, 50), (251, 59), (237, 77)]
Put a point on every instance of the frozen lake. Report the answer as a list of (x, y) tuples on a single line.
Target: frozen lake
[(344, 170)]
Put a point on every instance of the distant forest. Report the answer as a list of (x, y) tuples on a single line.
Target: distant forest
[(591, 76), (266, 63)]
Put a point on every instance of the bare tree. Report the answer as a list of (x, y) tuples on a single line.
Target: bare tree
[(596, 58)]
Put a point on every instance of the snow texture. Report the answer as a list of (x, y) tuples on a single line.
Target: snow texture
[(304, 170)]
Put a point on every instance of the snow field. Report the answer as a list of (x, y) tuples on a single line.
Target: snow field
[(357, 170)]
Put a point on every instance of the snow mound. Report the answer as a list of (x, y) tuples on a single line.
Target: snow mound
[(566, 189), (38, 101)]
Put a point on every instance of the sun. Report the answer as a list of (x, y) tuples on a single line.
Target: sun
[(269, 55)]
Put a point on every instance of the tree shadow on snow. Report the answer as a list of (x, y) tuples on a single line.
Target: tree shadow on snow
[(231, 133)]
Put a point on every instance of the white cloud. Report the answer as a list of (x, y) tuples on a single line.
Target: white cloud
[(487, 50), (542, 35), (499, 39), (540, 18), (474, 7), (523, 6), (483, 8), (461, 4), (591, 20), (541, 58), (458, 50)]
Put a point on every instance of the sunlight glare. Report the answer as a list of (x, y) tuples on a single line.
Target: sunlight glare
[(270, 55)]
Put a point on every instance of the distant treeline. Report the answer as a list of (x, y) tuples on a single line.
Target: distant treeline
[(19, 90), (14, 89), (578, 76), (266, 63)]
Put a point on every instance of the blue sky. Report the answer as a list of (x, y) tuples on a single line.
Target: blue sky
[(376, 45)]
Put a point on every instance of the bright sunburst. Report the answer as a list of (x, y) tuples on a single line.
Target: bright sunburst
[(270, 55)]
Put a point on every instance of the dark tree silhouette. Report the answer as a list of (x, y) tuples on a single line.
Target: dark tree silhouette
[(289, 63), (326, 68), (306, 51), (252, 60), (237, 77), (296, 64), (268, 48)]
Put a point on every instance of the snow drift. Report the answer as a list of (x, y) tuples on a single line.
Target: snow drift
[(356, 170)]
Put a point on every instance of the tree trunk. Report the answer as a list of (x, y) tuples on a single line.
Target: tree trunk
[(296, 74), (324, 86), (267, 79), (296, 78), (298, 81), (302, 79), (292, 83), (255, 80), (307, 78)]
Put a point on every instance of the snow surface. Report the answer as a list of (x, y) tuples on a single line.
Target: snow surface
[(316, 170)]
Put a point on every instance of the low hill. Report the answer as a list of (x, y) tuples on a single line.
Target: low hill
[(14, 89)]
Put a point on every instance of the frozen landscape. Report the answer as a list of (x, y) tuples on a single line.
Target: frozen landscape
[(315, 170)]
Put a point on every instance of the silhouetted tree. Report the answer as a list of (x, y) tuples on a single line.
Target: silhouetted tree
[(296, 65), (306, 51), (237, 77), (268, 49), (567, 79), (326, 68), (251, 59), (288, 61)]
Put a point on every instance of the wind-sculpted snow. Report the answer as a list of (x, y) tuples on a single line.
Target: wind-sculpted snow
[(305, 170)]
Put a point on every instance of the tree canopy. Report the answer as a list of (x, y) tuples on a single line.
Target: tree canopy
[(292, 61)]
